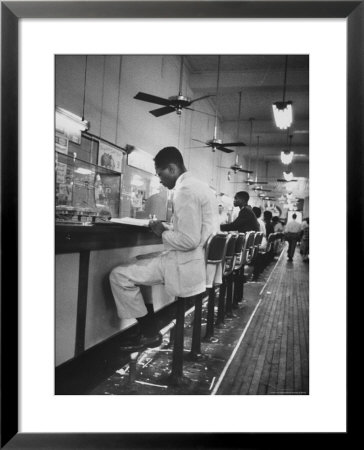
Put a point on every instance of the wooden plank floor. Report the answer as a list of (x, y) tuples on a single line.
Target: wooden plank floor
[(272, 357)]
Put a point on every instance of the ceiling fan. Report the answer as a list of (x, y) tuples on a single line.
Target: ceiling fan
[(214, 143), (259, 189), (266, 197), (236, 167), (249, 181), (171, 104)]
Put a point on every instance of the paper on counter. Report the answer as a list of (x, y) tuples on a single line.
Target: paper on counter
[(132, 221)]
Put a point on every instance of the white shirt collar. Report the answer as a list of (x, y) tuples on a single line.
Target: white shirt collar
[(181, 178)]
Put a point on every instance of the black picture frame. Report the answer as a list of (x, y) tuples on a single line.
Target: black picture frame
[(11, 12)]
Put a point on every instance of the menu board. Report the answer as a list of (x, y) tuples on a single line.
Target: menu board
[(141, 160)]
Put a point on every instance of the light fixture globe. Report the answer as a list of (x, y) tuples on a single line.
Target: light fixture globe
[(283, 114), (283, 110), (288, 176), (286, 157)]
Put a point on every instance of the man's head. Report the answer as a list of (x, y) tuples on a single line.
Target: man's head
[(275, 219), (257, 211), (169, 166), (294, 216), (241, 199), (267, 216)]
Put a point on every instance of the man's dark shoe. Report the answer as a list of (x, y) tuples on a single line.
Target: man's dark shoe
[(142, 342)]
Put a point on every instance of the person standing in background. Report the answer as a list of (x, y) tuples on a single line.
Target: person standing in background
[(292, 234), (305, 239)]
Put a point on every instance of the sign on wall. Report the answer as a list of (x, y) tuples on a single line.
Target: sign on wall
[(110, 157), (141, 160)]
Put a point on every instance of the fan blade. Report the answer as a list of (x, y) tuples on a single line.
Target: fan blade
[(245, 171), (257, 182), (152, 99), (162, 111), (281, 180), (234, 144), (223, 149), (197, 140), (200, 98), (201, 112), (203, 146)]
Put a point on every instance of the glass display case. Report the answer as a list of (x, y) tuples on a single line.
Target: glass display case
[(97, 180), (85, 190), (142, 195)]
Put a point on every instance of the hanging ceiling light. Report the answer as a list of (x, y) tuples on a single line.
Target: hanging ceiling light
[(283, 110), (287, 155), (288, 176)]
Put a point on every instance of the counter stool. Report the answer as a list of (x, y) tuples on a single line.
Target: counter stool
[(240, 266), (176, 377), (264, 256), (271, 243), (226, 287), (258, 238), (279, 243), (239, 244), (215, 253)]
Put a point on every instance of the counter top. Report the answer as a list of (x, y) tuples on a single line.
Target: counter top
[(74, 238)]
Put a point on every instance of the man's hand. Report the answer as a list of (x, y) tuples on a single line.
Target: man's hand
[(157, 227)]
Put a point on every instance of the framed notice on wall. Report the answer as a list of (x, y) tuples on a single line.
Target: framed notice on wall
[(141, 160), (110, 157)]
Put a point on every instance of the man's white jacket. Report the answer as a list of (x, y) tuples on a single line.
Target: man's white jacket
[(195, 219)]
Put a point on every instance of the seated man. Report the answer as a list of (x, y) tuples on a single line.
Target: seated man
[(181, 267), (277, 226), (246, 220)]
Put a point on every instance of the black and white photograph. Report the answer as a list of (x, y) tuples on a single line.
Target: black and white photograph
[(187, 271), (181, 200)]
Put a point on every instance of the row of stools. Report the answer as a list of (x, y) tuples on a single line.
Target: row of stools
[(229, 253), (226, 256)]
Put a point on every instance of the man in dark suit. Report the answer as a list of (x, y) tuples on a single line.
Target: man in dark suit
[(246, 220)]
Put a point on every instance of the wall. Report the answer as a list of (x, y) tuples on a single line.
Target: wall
[(102, 88)]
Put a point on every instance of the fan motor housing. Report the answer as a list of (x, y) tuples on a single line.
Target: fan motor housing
[(180, 100), (215, 142)]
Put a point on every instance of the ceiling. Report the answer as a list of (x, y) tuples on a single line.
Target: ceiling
[(259, 81)]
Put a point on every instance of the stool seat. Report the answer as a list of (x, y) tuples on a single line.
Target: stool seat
[(216, 248)]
